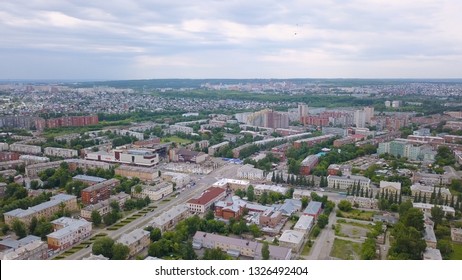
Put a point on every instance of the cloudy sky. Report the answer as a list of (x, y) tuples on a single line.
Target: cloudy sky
[(144, 39)]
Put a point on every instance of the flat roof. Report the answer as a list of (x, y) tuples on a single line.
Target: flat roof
[(291, 236), (89, 178), (313, 208)]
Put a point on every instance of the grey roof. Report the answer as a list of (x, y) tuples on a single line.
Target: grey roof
[(70, 226), (133, 236), (313, 208), (54, 200), (89, 178)]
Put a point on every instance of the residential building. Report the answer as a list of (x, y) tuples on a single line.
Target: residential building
[(11, 164), (28, 248), (292, 239), (33, 170), (348, 181), (231, 207), (95, 258), (404, 148), (344, 141), (168, 219), (289, 207), (313, 209), (431, 179), (98, 192), (60, 152), (179, 128), (8, 156), (313, 140), (300, 193), (25, 149), (237, 247), (72, 121), (89, 180), (363, 202), (104, 207), (215, 148), (30, 159), (67, 232), (153, 191), (308, 164), (142, 173), (44, 210), (136, 241), (390, 187), (304, 224), (456, 234), (86, 164), (207, 198), (360, 118), (427, 207), (248, 171), (429, 236), (419, 190), (4, 146)]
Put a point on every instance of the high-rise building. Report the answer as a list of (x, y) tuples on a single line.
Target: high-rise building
[(369, 111), (360, 119), (302, 111)]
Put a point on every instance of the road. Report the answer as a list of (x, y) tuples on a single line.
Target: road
[(202, 182), (323, 244)]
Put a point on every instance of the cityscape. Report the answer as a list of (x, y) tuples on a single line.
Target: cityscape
[(277, 132), (276, 170)]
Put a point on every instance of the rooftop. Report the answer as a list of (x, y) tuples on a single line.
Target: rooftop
[(101, 185), (89, 178), (54, 200), (207, 196), (291, 236), (313, 208), (132, 237)]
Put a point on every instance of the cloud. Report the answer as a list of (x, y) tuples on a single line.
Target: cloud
[(234, 38)]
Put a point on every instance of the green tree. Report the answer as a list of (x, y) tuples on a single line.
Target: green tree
[(155, 234), (265, 253), (408, 243), (414, 218), (304, 202), (323, 220), (445, 247), (33, 224), (255, 230), (250, 193), (19, 229), (96, 218), (120, 251), (215, 254), (437, 215), (345, 205), (209, 215), (103, 246)]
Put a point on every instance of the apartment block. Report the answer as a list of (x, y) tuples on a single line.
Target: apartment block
[(98, 192), (60, 152), (154, 191), (28, 248), (67, 232), (168, 219), (143, 173), (345, 182), (25, 149), (136, 241), (104, 207)]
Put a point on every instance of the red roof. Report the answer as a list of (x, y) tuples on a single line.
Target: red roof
[(207, 196)]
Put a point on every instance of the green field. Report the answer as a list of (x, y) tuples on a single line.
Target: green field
[(457, 254), (346, 250), (175, 139), (357, 214)]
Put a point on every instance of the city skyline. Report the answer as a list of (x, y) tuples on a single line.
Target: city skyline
[(138, 40)]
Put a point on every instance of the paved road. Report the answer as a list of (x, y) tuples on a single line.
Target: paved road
[(201, 184)]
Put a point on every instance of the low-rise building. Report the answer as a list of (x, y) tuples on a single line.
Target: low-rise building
[(60, 152), (25, 149), (84, 164), (432, 254), (8, 156), (427, 207), (95, 258), (431, 179), (419, 190), (168, 219), (363, 202), (346, 182), (30, 159), (4, 146), (143, 173), (304, 224), (178, 179), (300, 193), (308, 164), (28, 248), (260, 189), (89, 180), (429, 236), (67, 232), (232, 184), (248, 171), (390, 187), (185, 155), (313, 209), (153, 191), (312, 141), (292, 239), (33, 170), (207, 198), (215, 148), (98, 192), (236, 247), (136, 241), (11, 164), (179, 128), (104, 207), (456, 234), (44, 210), (270, 218)]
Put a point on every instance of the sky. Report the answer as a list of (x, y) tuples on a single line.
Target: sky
[(153, 39)]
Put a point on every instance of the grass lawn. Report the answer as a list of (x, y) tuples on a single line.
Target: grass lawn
[(366, 226), (306, 248), (346, 250), (175, 139), (457, 254), (356, 214)]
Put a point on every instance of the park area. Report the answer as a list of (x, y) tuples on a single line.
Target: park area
[(346, 250)]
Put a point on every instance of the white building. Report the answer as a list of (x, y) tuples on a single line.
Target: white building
[(60, 152), (363, 202), (27, 248), (390, 187), (25, 149), (179, 128), (304, 224), (136, 241), (292, 239), (360, 118), (345, 182), (154, 191), (248, 171), (4, 146), (418, 189), (168, 220), (427, 207), (67, 232), (30, 159), (233, 184), (260, 189), (215, 148), (179, 179), (207, 198)]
